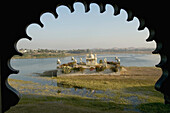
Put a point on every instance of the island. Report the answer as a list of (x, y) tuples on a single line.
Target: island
[(89, 67)]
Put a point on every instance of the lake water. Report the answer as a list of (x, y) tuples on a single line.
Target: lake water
[(27, 67)]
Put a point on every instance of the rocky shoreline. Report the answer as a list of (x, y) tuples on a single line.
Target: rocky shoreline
[(129, 71), (54, 73)]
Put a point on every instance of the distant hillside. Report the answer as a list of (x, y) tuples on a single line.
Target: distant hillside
[(124, 50)]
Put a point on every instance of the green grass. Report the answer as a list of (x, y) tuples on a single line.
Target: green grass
[(99, 82), (76, 104), (66, 104), (154, 108), (131, 94)]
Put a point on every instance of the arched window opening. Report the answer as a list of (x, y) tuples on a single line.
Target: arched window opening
[(75, 35)]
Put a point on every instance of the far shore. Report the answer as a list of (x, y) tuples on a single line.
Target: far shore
[(39, 56)]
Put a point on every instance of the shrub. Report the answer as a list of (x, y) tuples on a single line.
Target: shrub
[(114, 69), (64, 65), (82, 69), (113, 63), (100, 68), (121, 68), (66, 70), (71, 64), (92, 68), (76, 69), (97, 68), (117, 65), (100, 61)]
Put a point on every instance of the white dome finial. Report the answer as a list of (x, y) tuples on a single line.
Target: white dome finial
[(58, 61)]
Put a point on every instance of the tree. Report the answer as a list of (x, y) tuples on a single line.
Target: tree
[(101, 61)]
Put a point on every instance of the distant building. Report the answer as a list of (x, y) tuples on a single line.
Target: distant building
[(23, 50)]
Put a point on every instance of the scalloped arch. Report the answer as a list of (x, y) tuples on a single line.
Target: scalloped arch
[(27, 12)]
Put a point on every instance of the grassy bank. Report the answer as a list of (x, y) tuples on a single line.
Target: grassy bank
[(73, 104), (134, 76), (99, 82), (132, 92)]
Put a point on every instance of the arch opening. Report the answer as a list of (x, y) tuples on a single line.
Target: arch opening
[(51, 18)]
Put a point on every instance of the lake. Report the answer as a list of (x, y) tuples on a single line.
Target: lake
[(27, 67)]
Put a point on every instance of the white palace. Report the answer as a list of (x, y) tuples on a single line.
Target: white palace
[(91, 59), (89, 65)]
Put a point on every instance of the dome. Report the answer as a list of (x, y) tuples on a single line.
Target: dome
[(91, 55)]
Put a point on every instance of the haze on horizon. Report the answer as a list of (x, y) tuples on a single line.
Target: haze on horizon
[(80, 30)]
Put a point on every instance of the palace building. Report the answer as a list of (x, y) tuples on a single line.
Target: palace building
[(91, 59)]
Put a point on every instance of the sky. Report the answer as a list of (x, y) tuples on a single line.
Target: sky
[(80, 30)]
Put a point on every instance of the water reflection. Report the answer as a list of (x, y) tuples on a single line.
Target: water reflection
[(76, 90)]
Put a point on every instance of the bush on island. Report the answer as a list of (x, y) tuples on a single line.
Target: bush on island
[(100, 61), (114, 69), (82, 69), (100, 68), (113, 63), (76, 69), (71, 64), (66, 69), (63, 65), (92, 68)]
